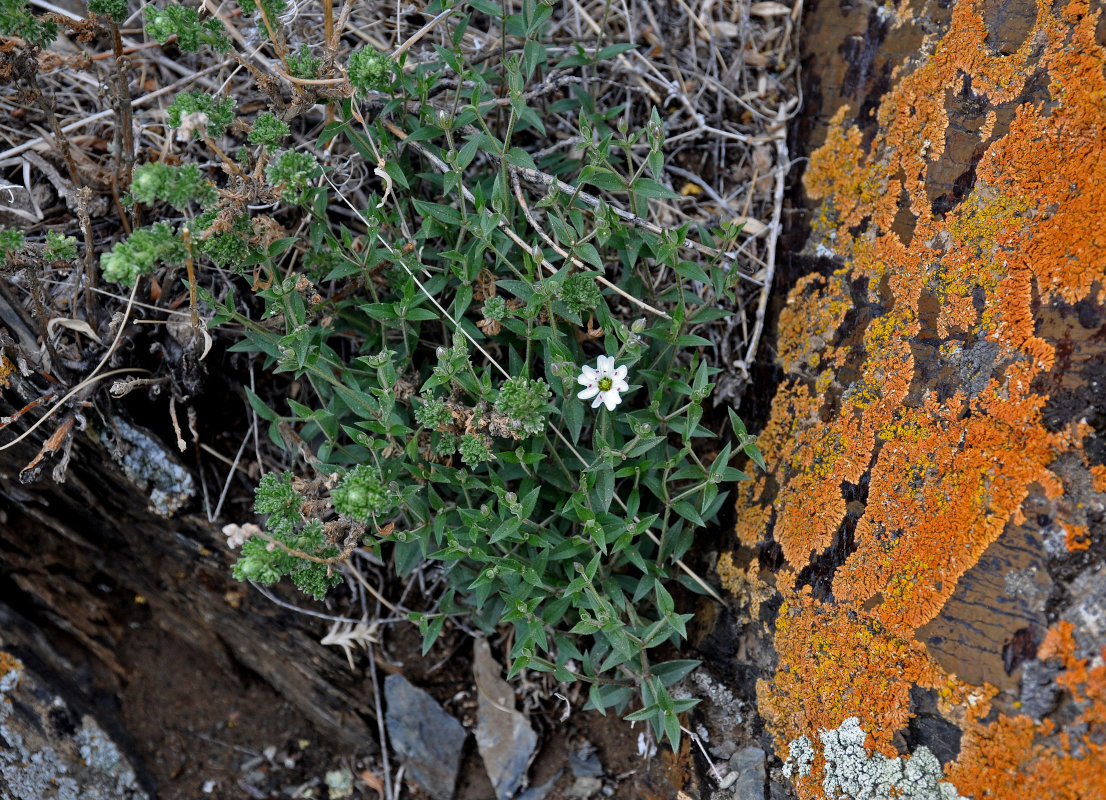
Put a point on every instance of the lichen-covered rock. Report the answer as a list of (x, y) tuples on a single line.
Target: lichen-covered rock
[(934, 513), (851, 772), (46, 752)]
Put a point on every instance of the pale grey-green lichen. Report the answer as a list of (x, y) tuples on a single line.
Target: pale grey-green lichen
[(41, 760), (852, 774), (150, 465), (800, 756)]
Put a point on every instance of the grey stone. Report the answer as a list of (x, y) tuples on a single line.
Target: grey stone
[(584, 787), (587, 770), (1088, 612), (503, 736), (585, 763), (339, 783), (1039, 692), (723, 749), (541, 791), (748, 763), (427, 740)]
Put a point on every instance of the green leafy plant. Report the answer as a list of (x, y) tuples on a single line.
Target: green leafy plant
[(215, 115), (183, 22), (115, 9), (17, 20), (11, 242), (445, 334), (59, 247)]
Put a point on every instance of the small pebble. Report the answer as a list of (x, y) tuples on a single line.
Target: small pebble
[(723, 749), (728, 781)]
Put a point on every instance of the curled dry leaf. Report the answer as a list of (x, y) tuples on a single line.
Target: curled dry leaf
[(78, 325)]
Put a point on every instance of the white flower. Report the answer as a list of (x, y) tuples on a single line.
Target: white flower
[(603, 382)]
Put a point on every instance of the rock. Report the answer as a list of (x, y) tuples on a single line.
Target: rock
[(935, 473), (587, 770), (339, 783), (1039, 691), (748, 763), (427, 740), (724, 749), (48, 752), (503, 736), (542, 791)]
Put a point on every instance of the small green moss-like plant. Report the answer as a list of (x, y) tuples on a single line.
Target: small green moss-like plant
[(289, 538), (268, 130), (17, 20), (370, 70), (525, 403), (59, 247), (117, 10), (16, 251), (183, 22), (362, 495), (273, 8), (226, 247), (290, 174), (179, 186), (142, 252), (301, 64), (11, 242), (217, 114)]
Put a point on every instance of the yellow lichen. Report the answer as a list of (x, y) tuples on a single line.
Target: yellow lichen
[(6, 369)]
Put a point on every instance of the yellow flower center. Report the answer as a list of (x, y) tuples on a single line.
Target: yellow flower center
[(605, 384)]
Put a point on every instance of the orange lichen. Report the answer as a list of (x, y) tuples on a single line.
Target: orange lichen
[(1098, 476), (1078, 538), (804, 329), (846, 663), (1019, 759), (947, 467), (745, 585)]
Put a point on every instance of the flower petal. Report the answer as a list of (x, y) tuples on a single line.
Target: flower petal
[(612, 399), (605, 365), (598, 401), (588, 393), (587, 371), (620, 373), (619, 385)]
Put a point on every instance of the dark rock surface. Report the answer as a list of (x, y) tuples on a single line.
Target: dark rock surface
[(428, 741), (48, 749)]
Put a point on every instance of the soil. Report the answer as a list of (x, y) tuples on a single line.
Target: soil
[(204, 732), (201, 731)]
